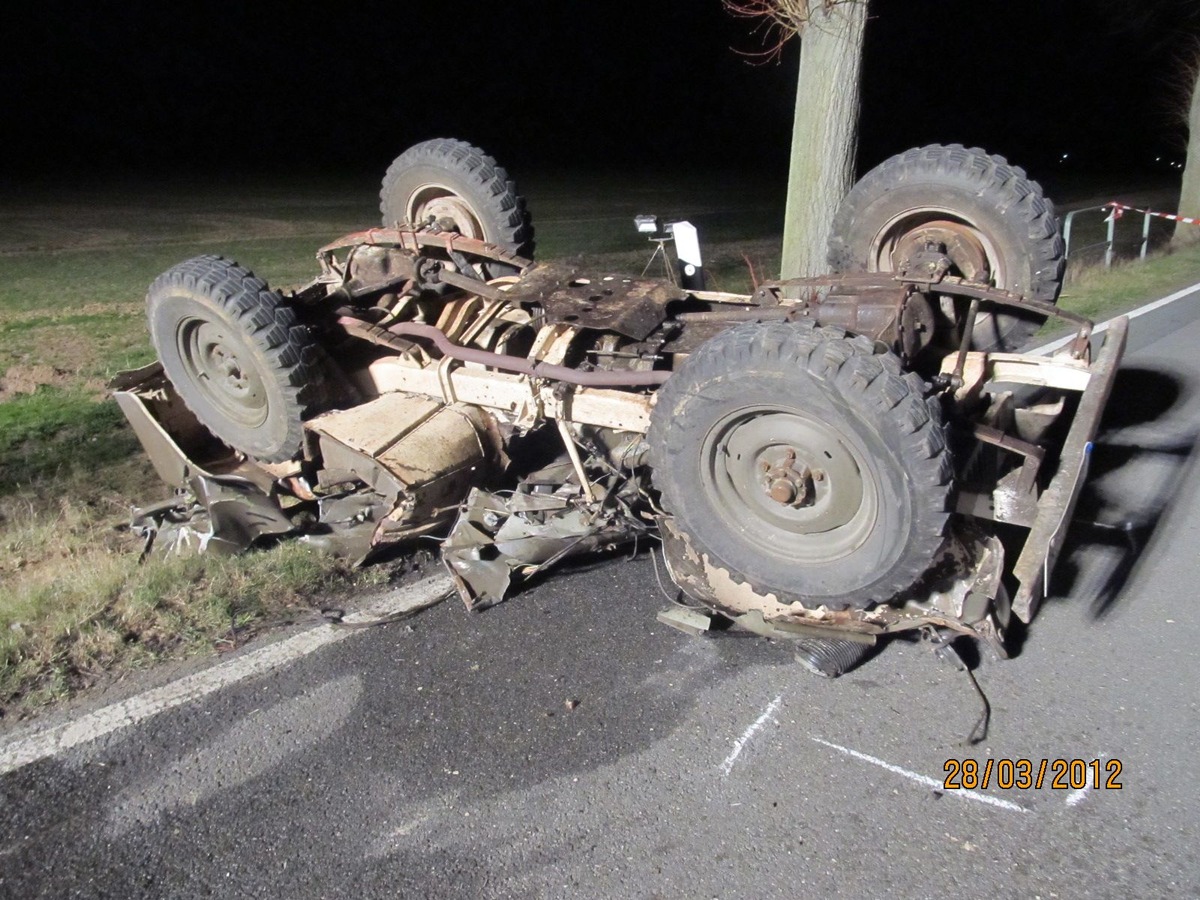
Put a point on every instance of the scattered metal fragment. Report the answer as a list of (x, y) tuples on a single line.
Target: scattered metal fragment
[(501, 539), (689, 621)]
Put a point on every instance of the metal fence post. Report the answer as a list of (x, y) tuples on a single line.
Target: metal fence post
[(1112, 235)]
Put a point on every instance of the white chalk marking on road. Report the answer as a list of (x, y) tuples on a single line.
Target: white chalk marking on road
[(1051, 347), (925, 779), (38, 743), (1076, 797), (408, 819), (740, 744)]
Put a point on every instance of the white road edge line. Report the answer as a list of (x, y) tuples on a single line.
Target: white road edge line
[(38, 743), (926, 780), (1046, 349), (740, 744)]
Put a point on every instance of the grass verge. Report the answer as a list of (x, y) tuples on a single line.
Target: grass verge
[(97, 610), (1100, 293)]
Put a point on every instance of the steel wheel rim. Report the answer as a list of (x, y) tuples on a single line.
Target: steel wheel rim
[(834, 509), (444, 204), (903, 225), (222, 367)]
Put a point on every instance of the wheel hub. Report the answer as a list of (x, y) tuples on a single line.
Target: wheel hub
[(787, 484), (450, 211), (792, 484), (958, 242), (227, 364)]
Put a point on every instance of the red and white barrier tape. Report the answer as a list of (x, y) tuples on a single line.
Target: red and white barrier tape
[(1119, 209)]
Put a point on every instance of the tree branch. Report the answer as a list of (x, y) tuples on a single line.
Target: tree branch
[(778, 20)]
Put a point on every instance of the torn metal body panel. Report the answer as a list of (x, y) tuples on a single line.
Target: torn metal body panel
[(961, 595), (222, 504), (520, 420), (500, 539)]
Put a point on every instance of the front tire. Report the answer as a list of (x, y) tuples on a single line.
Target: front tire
[(804, 462)]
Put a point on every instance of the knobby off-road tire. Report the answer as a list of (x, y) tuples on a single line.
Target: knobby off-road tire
[(235, 354), (758, 406), (975, 204), (464, 189)]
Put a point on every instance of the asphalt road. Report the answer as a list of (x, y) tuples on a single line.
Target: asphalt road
[(565, 744)]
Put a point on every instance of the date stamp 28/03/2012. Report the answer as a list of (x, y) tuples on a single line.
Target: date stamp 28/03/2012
[(1023, 774)]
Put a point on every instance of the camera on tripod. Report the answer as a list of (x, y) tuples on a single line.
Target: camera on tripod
[(687, 271)]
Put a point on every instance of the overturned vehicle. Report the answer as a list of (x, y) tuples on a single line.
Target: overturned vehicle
[(836, 458)]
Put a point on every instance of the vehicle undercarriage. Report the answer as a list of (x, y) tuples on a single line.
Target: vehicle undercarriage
[(841, 457)]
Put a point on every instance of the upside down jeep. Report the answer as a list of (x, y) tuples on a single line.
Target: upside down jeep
[(837, 458)]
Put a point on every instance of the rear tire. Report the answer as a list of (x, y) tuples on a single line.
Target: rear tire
[(235, 355), (804, 462), (462, 188), (997, 226)]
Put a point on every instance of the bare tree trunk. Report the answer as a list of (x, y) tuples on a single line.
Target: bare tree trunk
[(1189, 191), (824, 132)]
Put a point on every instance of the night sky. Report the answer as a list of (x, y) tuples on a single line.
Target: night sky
[(132, 87)]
